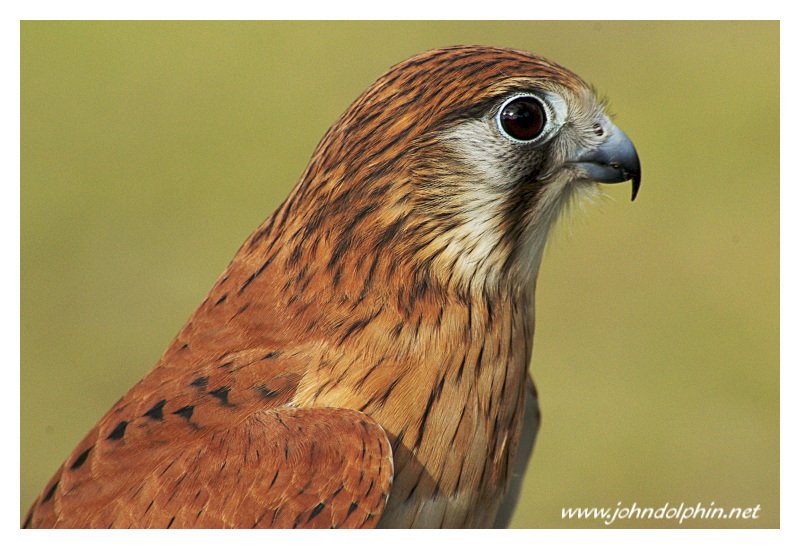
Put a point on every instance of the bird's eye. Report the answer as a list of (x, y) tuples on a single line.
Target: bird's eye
[(522, 118)]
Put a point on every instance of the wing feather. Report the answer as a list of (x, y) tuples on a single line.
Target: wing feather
[(282, 468)]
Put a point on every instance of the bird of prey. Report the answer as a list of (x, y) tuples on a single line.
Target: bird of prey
[(363, 360)]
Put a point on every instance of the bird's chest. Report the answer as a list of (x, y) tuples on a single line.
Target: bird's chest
[(455, 474), (453, 452), (450, 398)]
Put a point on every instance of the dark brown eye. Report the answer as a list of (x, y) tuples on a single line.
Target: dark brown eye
[(522, 118)]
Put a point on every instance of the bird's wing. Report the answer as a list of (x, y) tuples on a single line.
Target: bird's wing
[(210, 437), (281, 468)]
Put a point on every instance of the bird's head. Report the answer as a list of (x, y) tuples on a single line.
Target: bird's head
[(456, 163)]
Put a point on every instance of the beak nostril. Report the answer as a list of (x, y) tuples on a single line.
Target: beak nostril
[(598, 129)]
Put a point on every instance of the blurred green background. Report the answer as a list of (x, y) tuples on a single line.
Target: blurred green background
[(151, 150)]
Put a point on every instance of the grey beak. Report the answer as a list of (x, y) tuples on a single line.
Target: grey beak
[(614, 161)]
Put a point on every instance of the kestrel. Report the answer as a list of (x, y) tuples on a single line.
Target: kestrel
[(363, 359)]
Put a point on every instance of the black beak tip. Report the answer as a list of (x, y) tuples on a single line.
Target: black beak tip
[(637, 181)]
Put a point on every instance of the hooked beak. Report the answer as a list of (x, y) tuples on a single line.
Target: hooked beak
[(614, 161)]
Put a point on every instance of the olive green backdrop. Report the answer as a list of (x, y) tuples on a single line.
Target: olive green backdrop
[(151, 150)]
